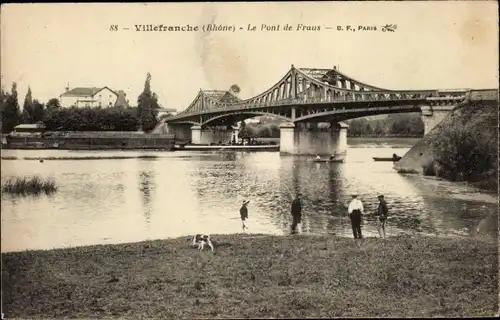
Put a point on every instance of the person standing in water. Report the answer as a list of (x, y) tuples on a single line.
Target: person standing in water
[(296, 212), (382, 212), (355, 211), (244, 214)]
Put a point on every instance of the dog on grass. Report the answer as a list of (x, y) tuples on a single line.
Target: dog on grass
[(200, 240)]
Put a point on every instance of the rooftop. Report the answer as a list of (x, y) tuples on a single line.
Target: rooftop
[(76, 92)]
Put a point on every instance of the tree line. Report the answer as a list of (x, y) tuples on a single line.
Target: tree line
[(55, 117), (403, 124), (266, 130)]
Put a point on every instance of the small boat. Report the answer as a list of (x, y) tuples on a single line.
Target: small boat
[(327, 160), (392, 159)]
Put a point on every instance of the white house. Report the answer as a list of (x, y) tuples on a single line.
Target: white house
[(93, 97)]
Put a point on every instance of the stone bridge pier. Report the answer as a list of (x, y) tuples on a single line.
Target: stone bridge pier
[(181, 131), (432, 115), (322, 139), (208, 135)]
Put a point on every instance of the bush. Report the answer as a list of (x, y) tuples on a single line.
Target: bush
[(29, 185), (463, 154), (467, 146), (92, 119), (428, 169)]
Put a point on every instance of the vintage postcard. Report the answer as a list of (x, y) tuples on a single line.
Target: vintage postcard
[(249, 160)]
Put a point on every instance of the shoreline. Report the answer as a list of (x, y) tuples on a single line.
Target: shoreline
[(200, 147), (462, 190), (256, 276)]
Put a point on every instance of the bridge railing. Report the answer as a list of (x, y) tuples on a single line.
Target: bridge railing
[(344, 98)]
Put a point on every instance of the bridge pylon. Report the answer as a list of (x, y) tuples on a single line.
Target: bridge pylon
[(323, 139)]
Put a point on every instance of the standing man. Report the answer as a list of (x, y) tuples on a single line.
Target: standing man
[(382, 213), (355, 211), (244, 213), (296, 212)]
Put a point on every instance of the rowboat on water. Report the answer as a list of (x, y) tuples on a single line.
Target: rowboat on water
[(392, 159)]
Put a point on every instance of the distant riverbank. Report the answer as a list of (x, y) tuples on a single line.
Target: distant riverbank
[(89, 140), (256, 277), (403, 142)]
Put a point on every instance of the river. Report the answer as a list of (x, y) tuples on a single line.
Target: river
[(184, 193)]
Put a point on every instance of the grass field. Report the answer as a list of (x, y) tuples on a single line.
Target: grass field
[(264, 276)]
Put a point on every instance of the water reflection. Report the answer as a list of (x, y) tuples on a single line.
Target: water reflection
[(147, 187), (110, 201)]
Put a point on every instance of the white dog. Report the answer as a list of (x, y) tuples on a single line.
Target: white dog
[(200, 240)]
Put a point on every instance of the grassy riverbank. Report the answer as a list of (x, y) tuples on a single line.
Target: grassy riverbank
[(301, 276)]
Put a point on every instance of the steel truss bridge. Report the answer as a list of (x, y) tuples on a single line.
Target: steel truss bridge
[(316, 95)]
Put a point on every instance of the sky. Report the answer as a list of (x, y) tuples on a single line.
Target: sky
[(437, 45)]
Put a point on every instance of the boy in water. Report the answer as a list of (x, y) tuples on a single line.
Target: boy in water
[(382, 212)]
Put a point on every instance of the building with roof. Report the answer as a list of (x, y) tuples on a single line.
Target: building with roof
[(93, 97), (27, 129)]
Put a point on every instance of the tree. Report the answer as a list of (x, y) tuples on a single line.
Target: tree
[(147, 106), (248, 131), (11, 113), (27, 114), (3, 98), (368, 129), (38, 111), (379, 129), (53, 104), (235, 88), (417, 125)]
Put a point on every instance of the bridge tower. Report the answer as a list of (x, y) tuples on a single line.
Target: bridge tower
[(208, 135)]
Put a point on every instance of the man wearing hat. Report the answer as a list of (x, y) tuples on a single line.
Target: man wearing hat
[(382, 212), (244, 213), (355, 211)]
